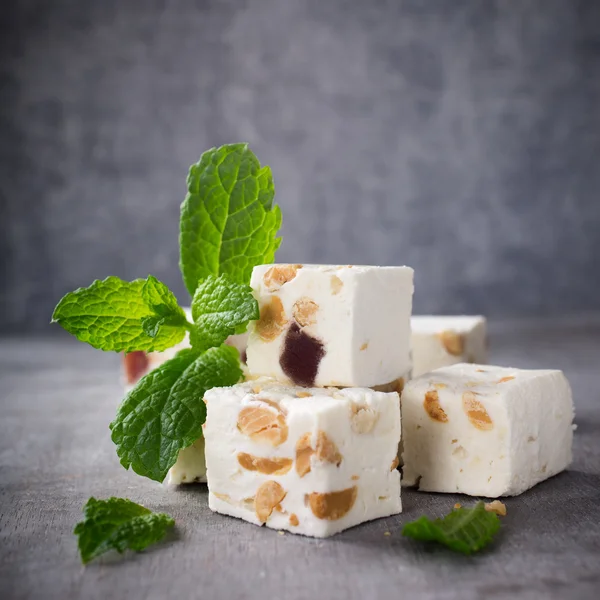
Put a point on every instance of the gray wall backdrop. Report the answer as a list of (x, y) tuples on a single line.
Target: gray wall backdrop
[(459, 137)]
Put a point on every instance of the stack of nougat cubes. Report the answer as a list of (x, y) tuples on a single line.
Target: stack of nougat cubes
[(309, 443)]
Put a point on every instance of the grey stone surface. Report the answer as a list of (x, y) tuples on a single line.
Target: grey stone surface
[(459, 137), (57, 398)]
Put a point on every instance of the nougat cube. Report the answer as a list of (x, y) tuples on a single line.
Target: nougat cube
[(442, 341), (190, 466), (331, 325), (485, 431), (307, 460)]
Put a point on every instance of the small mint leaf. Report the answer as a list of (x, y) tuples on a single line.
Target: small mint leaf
[(165, 411), (151, 325), (221, 308), (464, 530), (161, 300), (118, 524), (228, 222), (108, 315)]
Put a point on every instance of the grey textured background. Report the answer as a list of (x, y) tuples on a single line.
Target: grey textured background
[(460, 137)]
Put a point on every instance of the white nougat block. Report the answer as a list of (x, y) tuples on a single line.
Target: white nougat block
[(331, 325), (308, 460), (190, 466), (484, 430), (441, 341)]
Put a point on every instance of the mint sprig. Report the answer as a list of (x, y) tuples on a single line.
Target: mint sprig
[(165, 411), (228, 226), (228, 222), (118, 524), (113, 315), (464, 530)]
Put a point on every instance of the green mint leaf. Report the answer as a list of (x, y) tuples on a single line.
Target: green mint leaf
[(161, 300), (118, 524), (220, 308), (165, 411), (152, 325), (108, 315), (465, 530), (228, 222)]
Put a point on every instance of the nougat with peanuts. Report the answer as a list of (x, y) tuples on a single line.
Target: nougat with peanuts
[(312, 461), (441, 341), (325, 325), (484, 430)]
